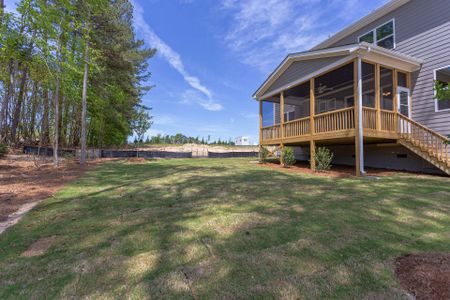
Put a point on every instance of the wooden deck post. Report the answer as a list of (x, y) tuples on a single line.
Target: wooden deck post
[(359, 139), (395, 99), (312, 109), (312, 154), (260, 123), (281, 125), (378, 96)]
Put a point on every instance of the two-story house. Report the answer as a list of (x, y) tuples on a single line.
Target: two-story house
[(367, 93)]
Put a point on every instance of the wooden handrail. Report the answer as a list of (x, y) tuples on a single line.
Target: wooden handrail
[(297, 120), (270, 126), (333, 111), (426, 139), (424, 128)]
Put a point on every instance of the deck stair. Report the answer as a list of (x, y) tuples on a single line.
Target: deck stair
[(428, 144)]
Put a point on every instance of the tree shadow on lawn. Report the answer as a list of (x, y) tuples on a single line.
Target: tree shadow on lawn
[(176, 229)]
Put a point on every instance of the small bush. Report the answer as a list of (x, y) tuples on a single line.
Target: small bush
[(3, 150), (287, 156), (323, 158), (263, 154)]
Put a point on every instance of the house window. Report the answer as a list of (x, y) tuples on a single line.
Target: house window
[(383, 36), (442, 77), (289, 114)]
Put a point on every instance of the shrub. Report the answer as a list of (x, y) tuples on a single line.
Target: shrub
[(3, 150), (323, 158), (287, 156), (263, 154)]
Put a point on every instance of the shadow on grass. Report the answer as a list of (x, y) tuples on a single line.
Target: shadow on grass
[(224, 229)]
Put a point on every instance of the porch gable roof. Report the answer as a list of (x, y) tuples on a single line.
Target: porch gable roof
[(346, 53)]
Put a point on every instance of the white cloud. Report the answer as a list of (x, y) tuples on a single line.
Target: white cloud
[(194, 97), (164, 120), (172, 57), (263, 32)]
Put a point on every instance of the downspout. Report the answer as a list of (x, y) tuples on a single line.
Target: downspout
[(360, 116)]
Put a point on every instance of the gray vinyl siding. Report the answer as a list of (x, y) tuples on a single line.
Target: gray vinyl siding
[(422, 30), (300, 69)]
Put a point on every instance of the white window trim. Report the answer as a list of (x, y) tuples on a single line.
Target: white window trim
[(403, 89), (374, 30), (436, 107)]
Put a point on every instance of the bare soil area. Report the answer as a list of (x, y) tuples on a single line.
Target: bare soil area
[(426, 276), (25, 180), (200, 150)]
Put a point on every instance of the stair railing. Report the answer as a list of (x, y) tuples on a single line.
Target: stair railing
[(426, 139)]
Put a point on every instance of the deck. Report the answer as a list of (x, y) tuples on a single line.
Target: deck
[(336, 124)]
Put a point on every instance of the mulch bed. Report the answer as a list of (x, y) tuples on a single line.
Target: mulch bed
[(426, 276), (336, 171), (24, 180)]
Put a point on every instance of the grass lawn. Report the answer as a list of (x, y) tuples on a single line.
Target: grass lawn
[(223, 228)]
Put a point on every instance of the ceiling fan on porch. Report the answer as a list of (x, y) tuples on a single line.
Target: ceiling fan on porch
[(322, 88)]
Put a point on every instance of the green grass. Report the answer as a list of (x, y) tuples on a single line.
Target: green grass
[(212, 228)]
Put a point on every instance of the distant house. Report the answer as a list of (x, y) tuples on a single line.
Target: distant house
[(367, 92), (242, 141)]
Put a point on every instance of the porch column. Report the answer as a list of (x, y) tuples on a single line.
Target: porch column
[(359, 137), (312, 108), (260, 123), (377, 96), (281, 123), (395, 99)]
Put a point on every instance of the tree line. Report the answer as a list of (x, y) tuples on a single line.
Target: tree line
[(72, 74), (182, 139)]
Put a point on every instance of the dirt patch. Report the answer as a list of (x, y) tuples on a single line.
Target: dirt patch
[(137, 161), (335, 172), (426, 276), (40, 246), (23, 180)]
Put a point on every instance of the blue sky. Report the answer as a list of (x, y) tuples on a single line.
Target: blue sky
[(212, 55)]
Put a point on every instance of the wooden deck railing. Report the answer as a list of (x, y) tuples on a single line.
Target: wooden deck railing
[(387, 120), (369, 118), (297, 127), (270, 132), (337, 120), (420, 136)]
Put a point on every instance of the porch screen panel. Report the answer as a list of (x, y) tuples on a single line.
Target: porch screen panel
[(368, 85), (402, 79), (334, 90), (270, 113), (386, 89), (296, 102)]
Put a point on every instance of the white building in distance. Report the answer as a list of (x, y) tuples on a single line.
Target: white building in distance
[(242, 141)]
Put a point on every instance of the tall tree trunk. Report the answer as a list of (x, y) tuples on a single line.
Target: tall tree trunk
[(45, 123), (18, 107), (9, 91), (56, 133), (84, 105), (31, 128)]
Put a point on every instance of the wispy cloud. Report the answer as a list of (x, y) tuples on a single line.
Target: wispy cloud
[(263, 32), (170, 55), (193, 97)]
